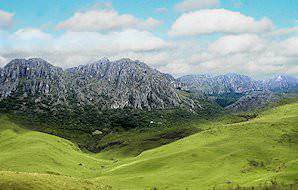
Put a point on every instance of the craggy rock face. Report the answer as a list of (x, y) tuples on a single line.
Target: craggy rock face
[(31, 77), (123, 83), (105, 84)]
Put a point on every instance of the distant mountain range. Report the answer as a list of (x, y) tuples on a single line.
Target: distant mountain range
[(124, 83), (237, 92), (236, 83)]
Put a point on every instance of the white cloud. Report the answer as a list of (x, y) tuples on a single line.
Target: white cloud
[(73, 48), (252, 54), (31, 34), (237, 44), (6, 19), (256, 56), (289, 47), (127, 40), (105, 20), (189, 5), (26, 40), (218, 21)]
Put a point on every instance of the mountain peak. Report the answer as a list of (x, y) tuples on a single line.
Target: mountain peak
[(103, 84), (31, 62)]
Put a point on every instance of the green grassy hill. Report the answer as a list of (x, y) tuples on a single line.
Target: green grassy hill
[(247, 154), (262, 150), (29, 151), (42, 161), (34, 181)]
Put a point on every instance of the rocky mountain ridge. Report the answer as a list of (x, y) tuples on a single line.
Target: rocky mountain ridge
[(126, 83), (105, 84), (236, 83), (237, 92)]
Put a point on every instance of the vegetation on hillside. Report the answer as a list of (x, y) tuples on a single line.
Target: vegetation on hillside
[(90, 128), (230, 152)]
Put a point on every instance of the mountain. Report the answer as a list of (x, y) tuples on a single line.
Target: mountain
[(236, 83), (213, 85), (253, 101), (282, 83), (238, 92), (103, 97), (104, 84), (37, 86), (123, 83), (32, 77)]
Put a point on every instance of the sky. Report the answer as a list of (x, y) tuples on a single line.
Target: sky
[(253, 37)]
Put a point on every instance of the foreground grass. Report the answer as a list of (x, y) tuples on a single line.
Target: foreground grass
[(34, 181), (246, 154), (29, 151)]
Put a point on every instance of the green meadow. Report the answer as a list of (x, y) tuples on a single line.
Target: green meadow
[(221, 155)]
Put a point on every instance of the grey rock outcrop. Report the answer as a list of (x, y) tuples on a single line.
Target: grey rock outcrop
[(104, 84), (123, 83), (34, 77)]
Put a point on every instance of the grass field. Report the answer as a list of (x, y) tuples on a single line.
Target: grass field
[(34, 181), (29, 151), (261, 151)]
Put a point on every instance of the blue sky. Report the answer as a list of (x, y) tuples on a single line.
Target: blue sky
[(175, 36), (35, 13)]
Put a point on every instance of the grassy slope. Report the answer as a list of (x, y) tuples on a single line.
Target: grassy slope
[(248, 153), (34, 181), (28, 151)]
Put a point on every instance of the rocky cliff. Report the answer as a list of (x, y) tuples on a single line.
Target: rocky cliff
[(104, 84)]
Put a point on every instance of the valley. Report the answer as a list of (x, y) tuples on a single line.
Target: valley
[(222, 155)]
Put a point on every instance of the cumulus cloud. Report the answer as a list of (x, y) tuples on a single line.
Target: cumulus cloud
[(25, 40), (127, 40), (6, 19), (217, 21), (105, 20), (72, 48), (289, 47), (237, 44), (189, 5), (31, 34), (250, 54), (256, 56)]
